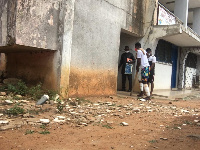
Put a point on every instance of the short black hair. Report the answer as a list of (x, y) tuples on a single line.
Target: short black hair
[(138, 45), (126, 47), (148, 50)]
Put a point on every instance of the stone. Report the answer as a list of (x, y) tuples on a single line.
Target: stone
[(61, 117), (7, 127), (163, 138), (81, 111), (57, 120), (45, 121), (109, 122), (3, 93), (4, 121), (9, 101), (124, 124), (18, 96), (136, 110), (1, 115), (196, 121), (198, 124), (24, 101)]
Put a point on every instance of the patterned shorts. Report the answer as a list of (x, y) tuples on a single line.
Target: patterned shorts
[(145, 73)]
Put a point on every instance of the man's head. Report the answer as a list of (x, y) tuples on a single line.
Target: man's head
[(126, 48), (149, 52), (137, 45)]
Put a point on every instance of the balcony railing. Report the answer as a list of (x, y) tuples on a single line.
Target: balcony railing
[(166, 17)]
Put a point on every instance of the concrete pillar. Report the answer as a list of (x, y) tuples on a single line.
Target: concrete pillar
[(181, 10), (181, 76), (196, 20), (198, 65)]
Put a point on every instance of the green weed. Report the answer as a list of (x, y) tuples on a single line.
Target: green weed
[(19, 88), (15, 110), (29, 132), (59, 106), (153, 141), (107, 126), (36, 91), (44, 132)]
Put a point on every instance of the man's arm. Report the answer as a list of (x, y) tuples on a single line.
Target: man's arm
[(152, 65), (138, 64), (120, 63), (153, 62), (139, 56), (133, 59)]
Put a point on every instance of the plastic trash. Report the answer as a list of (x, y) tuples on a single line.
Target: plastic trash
[(42, 100)]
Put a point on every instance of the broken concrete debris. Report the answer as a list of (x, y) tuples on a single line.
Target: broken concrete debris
[(45, 121), (79, 114)]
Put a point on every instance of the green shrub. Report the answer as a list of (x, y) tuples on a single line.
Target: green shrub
[(19, 88), (36, 91), (15, 110)]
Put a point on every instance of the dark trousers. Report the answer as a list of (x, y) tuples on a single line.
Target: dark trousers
[(124, 81)]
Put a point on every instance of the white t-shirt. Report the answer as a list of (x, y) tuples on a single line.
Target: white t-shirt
[(152, 58), (144, 59)]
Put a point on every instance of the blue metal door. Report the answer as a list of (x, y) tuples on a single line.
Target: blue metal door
[(174, 65)]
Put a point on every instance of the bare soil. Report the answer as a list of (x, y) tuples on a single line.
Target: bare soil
[(146, 130)]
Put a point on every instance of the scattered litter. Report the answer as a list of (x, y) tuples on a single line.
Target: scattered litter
[(124, 124), (143, 100), (43, 99)]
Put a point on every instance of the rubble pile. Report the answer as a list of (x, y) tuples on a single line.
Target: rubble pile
[(79, 112)]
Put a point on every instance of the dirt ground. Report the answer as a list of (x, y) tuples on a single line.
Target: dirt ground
[(146, 130)]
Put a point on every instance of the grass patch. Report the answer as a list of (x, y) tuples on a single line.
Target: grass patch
[(153, 141), (187, 122), (59, 106), (36, 91), (15, 110), (19, 88), (29, 132), (44, 132), (107, 126)]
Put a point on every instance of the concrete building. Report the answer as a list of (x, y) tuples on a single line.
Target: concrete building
[(74, 46)]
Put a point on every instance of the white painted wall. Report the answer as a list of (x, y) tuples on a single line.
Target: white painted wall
[(162, 79), (190, 72)]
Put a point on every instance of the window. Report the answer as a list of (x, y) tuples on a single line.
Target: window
[(191, 60), (163, 51)]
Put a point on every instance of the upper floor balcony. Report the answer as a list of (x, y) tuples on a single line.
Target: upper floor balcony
[(181, 32)]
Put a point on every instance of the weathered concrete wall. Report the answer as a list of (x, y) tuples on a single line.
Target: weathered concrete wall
[(67, 11), (37, 23), (7, 22), (31, 26), (2, 62), (95, 47), (96, 41), (34, 67)]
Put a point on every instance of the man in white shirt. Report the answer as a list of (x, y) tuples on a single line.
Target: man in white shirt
[(143, 64), (152, 61)]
